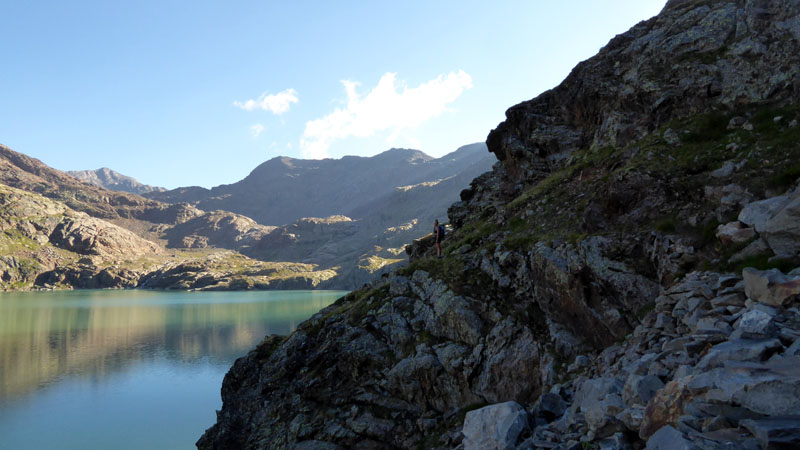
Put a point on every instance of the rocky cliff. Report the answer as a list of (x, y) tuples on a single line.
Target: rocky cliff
[(625, 278)]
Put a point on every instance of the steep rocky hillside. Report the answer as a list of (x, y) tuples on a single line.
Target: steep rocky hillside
[(115, 181), (627, 277)]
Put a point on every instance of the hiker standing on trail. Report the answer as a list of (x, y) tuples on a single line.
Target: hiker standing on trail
[(438, 235)]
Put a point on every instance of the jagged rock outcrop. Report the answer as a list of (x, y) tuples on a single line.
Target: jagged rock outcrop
[(692, 57), (587, 277)]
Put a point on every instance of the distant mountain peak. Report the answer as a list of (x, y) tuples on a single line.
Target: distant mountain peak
[(115, 181), (282, 190)]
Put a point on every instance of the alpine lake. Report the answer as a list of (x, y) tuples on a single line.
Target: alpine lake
[(128, 369)]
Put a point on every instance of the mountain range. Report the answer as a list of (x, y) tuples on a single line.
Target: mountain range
[(283, 190), (184, 242)]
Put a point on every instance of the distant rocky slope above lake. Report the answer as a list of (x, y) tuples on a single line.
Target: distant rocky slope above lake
[(58, 232), (387, 200), (284, 190), (115, 181), (627, 277)]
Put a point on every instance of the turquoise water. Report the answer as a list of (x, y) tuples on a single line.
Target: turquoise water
[(128, 369)]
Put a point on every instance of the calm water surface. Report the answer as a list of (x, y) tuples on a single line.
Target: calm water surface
[(128, 369)]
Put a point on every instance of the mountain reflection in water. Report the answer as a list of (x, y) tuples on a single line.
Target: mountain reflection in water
[(49, 339)]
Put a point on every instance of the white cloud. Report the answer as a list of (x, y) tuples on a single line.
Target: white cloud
[(256, 129), (276, 103), (389, 106)]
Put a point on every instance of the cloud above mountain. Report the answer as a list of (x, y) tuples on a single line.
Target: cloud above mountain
[(256, 129), (390, 106), (275, 103)]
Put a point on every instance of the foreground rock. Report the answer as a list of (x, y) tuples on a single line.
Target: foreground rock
[(700, 387)]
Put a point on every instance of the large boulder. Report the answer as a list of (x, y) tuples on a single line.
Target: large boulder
[(734, 232), (494, 427), (757, 214), (770, 286), (782, 231)]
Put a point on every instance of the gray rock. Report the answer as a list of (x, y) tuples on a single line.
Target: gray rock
[(756, 324), (494, 427), (735, 195), (725, 281), (755, 248), (639, 390), (668, 438), (725, 171), (631, 417), (794, 349), (757, 214), (770, 286), (676, 345), (782, 231), (775, 432), (683, 371), (617, 441), (600, 400), (739, 350), (771, 388), (736, 122), (580, 362), (734, 232), (551, 406), (671, 137), (717, 423), (734, 299)]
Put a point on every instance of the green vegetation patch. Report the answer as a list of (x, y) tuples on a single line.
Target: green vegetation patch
[(472, 234), (763, 261)]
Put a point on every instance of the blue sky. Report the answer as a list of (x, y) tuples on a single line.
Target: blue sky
[(179, 93)]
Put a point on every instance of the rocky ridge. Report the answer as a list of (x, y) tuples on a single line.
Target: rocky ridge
[(611, 284), (115, 181), (284, 190)]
